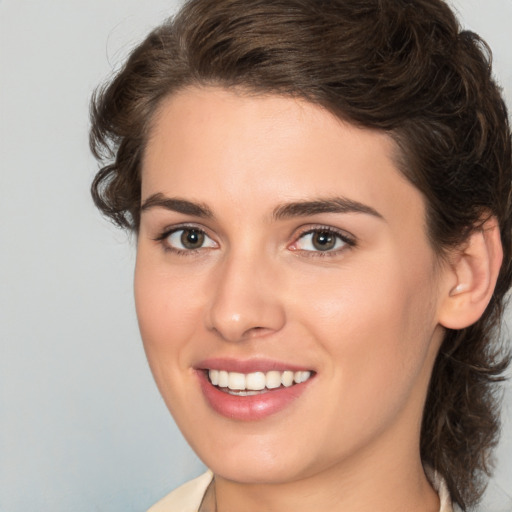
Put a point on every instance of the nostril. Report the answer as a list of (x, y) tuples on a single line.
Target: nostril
[(255, 332)]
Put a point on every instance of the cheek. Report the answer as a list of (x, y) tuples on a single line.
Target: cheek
[(167, 310), (375, 329)]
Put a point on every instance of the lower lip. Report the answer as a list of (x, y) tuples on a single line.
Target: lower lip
[(250, 408)]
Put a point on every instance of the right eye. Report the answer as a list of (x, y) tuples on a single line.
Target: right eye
[(187, 239)]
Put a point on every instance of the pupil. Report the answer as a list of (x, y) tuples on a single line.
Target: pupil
[(192, 239), (323, 240)]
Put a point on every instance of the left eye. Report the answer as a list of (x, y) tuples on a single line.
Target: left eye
[(188, 239), (320, 240)]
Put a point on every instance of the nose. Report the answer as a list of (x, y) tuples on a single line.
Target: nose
[(245, 300)]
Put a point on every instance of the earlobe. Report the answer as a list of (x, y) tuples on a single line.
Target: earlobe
[(473, 274)]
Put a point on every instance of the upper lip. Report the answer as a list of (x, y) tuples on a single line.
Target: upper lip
[(248, 365)]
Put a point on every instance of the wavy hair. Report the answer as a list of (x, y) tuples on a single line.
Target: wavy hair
[(404, 67)]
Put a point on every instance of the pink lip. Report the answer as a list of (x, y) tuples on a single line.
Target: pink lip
[(248, 408), (247, 366)]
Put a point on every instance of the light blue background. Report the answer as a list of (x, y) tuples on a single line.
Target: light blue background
[(82, 427)]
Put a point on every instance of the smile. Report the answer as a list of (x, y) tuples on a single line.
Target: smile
[(248, 384), (252, 390)]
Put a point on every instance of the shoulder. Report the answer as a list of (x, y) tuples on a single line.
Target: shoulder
[(186, 498), (439, 485)]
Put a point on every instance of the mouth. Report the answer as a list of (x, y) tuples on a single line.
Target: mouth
[(255, 383), (252, 390)]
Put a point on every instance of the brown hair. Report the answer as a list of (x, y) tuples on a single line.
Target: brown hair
[(401, 66)]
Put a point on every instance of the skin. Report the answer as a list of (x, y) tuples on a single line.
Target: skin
[(364, 317)]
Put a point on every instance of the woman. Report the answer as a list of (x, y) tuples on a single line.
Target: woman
[(321, 196)]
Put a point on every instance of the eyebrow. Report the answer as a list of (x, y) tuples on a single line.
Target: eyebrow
[(281, 212), (317, 206), (176, 205)]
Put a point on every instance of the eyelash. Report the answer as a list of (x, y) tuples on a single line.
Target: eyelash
[(347, 240), (162, 239)]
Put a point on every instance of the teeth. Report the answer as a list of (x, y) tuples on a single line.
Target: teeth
[(236, 381), (256, 381), (273, 380), (223, 379), (301, 377), (287, 379), (214, 377)]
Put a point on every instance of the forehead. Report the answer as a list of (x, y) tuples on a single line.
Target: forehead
[(211, 142)]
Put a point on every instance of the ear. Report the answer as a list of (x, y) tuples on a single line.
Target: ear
[(471, 277)]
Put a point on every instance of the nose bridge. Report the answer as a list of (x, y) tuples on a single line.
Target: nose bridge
[(245, 300)]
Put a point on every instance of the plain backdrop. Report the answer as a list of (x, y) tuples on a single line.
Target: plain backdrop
[(82, 427)]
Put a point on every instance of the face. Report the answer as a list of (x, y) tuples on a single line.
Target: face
[(287, 295)]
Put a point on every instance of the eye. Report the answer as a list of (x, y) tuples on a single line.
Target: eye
[(188, 239), (321, 240)]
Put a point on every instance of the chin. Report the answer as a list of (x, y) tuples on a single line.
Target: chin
[(267, 461), (257, 471)]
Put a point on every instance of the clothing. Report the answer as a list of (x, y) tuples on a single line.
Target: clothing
[(189, 496), (186, 498)]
